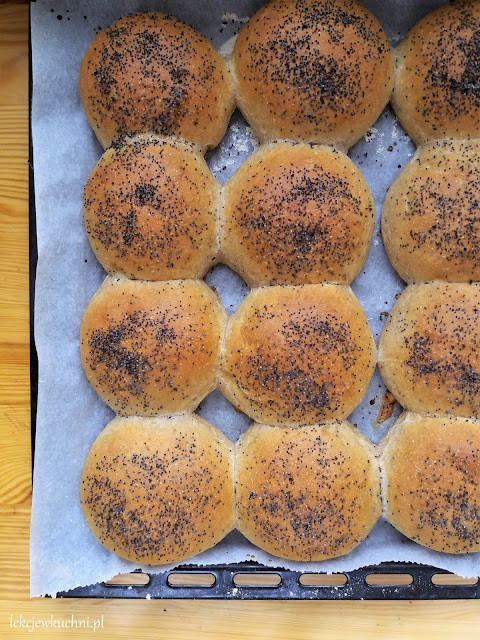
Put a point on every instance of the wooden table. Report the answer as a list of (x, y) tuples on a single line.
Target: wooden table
[(181, 619)]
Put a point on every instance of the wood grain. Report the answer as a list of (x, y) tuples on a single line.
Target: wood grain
[(182, 620), (15, 469)]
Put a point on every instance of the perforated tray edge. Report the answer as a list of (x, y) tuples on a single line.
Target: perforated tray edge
[(289, 587)]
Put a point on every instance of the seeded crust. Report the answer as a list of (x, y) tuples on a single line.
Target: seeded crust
[(431, 471), (312, 70), (295, 214), (152, 348), (159, 490), (437, 92), (430, 217), (308, 493), (150, 73), (429, 349), (150, 210), (297, 355)]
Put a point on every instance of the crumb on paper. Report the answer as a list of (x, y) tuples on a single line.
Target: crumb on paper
[(395, 124), (240, 142), (387, 406), (371, 134), (233, 17), (253, 140)]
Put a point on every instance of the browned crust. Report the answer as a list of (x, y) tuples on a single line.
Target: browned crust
[(429, 349), (297, 355), (436, 80), (152, 348), (159, 490), (312, 70), (387, 407), (297, 214), (430, 218), (150, 210), (308, 493), (431, 470), (151, 73)]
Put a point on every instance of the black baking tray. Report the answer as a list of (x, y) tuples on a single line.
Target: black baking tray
[(289, 587), (223, 578)]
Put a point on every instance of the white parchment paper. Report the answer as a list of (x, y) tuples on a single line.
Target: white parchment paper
[(64, 553)]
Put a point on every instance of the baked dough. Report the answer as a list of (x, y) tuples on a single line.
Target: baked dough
[(297, 355), (431, 471), (151, 73), (159, 490), (312, 70), (296, 214), (429, 349), (437, 90), (150, 210), (152, 348), (306, 493), (430, 216)]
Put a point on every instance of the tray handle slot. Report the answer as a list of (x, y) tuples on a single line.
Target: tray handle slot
[(257, 580), (190, 579)]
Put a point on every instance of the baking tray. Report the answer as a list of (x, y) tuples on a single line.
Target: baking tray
[(222, 581)]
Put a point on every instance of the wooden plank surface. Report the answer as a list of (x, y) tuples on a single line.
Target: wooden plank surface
[(133, 619)]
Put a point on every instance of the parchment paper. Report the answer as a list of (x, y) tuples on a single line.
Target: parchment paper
[(64, 553)]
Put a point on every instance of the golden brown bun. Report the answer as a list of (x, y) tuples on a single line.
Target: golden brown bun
[(150, 210), (429, 349), (158, 490), (152, 348), (431, 469), (297, 355), (430, 217), (436, 93), (295, 214), (150, 73), (306, 493), (312, 70)]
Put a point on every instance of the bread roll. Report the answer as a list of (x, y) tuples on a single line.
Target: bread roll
[(295, 214), (431, 468), (430, 218), (150, 210), (429, 349), (312, 70), (308, 493), (158, 490), (436, 93), (297, 355), (150, 73), (152, 348)]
